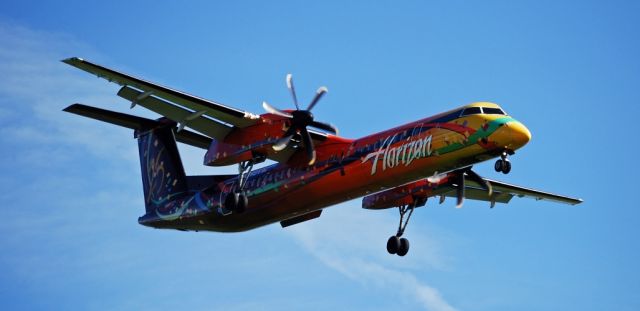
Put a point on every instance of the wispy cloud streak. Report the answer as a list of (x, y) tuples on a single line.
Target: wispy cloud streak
[(351, 243), (36, 86)]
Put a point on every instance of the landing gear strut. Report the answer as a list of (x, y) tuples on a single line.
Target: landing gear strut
[(237, 201), (396, 244), (503, 165)]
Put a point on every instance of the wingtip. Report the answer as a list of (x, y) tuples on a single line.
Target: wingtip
[(72, 60), (70, 107)]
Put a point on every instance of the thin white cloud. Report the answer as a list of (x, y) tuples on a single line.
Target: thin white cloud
[(352, 242), (36, 86)]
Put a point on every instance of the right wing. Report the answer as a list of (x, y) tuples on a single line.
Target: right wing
[(417, 192)]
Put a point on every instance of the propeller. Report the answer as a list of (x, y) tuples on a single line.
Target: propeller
[(300, 120), (460, 180)]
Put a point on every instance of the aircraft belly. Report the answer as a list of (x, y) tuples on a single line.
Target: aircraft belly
[(303, 191)]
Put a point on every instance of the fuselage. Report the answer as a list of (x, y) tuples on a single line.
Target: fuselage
[(441, 143)]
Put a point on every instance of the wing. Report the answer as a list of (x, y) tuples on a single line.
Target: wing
[(511, 190), (242, 132), (417, 193), (206, 116)]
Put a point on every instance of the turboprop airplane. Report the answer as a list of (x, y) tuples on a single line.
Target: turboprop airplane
[(315, 168)]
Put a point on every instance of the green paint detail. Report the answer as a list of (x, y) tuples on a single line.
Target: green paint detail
[(473, 138), (265, 188), (167, 198), (178, 213)]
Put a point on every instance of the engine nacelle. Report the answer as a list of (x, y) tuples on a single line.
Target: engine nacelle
[(415, 192)]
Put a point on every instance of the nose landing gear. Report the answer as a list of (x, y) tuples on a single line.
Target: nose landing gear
[(396, 244), (503, 165)]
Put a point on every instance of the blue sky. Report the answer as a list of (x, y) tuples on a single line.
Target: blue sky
[(567, 69)]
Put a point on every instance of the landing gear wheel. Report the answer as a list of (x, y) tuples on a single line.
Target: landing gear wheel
[(503, 165), (236, 202), (506, 167), (231, 201), (404, 247), (393, 244), (243, 202)]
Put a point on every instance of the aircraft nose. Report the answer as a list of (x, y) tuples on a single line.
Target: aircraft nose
[(520, 134)]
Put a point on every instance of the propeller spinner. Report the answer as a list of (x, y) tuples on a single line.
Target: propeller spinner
[(300, 119)]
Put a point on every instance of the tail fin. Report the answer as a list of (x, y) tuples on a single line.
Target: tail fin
[(163, 176)]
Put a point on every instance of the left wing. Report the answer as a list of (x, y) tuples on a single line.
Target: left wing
[(239, 131), (417, 193), (146, 92)]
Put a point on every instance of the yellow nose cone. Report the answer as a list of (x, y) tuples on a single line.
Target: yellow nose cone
[(519, 133)]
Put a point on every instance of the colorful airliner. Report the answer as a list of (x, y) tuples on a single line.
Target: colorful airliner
[(314, 167)]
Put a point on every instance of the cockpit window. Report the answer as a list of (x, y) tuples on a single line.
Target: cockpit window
[(488, 110), (448, 117), (470, 111)]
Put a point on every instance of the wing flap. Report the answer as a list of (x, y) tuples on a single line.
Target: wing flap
[(479, 194), (180, 115), (532, 193), (212, 109)]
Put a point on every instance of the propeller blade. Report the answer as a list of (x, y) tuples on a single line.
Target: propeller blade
[(293, 90), (325, 126), (321, 91), (272, 110), (483, 182), (460, 194), (284, 142), (308, 145)]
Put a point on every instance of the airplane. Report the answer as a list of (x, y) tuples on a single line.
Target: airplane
[(314, 167)]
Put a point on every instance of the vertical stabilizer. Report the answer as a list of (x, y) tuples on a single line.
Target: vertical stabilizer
[(163, 177)]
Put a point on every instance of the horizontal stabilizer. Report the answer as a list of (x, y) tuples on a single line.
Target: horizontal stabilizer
[(136, 123)]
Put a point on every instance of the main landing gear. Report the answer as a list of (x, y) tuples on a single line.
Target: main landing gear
[(237, 200), (396, 244), (503, 165)]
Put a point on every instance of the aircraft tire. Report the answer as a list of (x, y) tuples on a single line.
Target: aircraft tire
[(498, 166), (243, 202), (404, 247), (393, 244), (231, 201), (506, 167)]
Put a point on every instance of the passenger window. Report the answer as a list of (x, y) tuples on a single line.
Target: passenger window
[(493, 111), (470, 111)]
